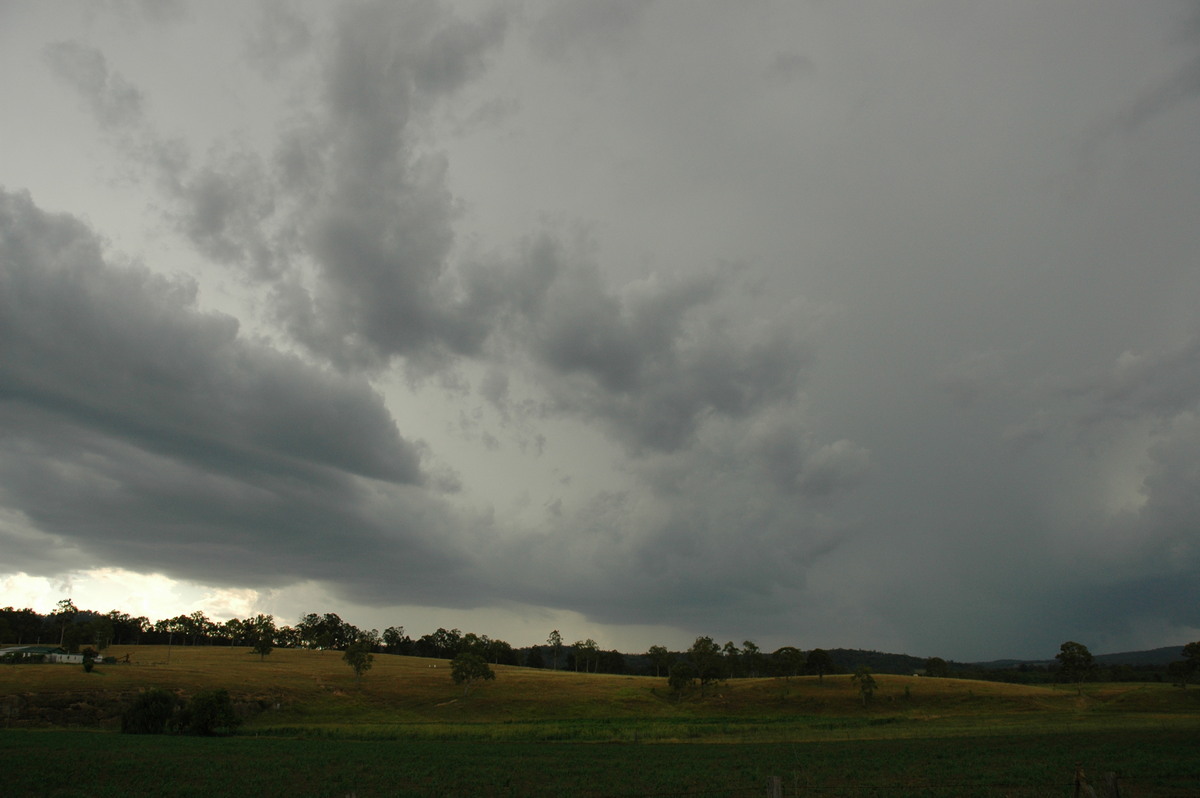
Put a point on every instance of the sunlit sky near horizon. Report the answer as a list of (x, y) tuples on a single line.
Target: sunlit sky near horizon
[(863, 324)]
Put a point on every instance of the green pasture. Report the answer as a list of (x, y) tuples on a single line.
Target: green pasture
[(70, 764), (406, 729)]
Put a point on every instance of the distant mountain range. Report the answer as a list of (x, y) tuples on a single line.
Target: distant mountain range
[(1155, 656), (849, 659)]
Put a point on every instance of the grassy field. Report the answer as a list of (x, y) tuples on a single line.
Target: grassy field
[(406, 729)]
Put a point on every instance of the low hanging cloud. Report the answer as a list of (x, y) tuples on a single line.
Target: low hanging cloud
[(149, 431)]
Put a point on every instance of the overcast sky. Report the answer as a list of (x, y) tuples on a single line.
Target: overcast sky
[(861, 324)]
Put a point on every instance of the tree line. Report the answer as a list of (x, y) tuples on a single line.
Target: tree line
[(704, 662)]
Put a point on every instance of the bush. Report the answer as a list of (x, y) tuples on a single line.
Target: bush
[(681, 676), (209, 714), (152, 712)]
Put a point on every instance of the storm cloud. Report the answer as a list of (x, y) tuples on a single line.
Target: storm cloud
[(807, 324)]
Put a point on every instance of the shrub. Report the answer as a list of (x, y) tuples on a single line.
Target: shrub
[(681, 676), (209, 714), (151, 712)]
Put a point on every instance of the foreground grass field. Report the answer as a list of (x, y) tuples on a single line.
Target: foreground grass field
[(406, 729), (67, 764)]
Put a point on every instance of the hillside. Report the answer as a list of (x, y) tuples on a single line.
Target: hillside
[(1152, 657), (301, 691)]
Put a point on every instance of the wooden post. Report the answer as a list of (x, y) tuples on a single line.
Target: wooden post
[(774, 787)]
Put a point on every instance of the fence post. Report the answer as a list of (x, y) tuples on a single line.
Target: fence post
[(774, 787)]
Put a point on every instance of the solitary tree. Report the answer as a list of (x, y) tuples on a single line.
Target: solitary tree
[(681, 676), (261, 630), (1075, 661), (705, 656), (468, 668), (866, 683), (555, 643), (358, 656)]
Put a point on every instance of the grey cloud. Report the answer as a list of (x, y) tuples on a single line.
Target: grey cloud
[(141, 431), (570, 28), (1161, 383), (225, 209), (1180, 86), (381, 232), (834, 467), (280, 35), (348, 189), (123, 351), (787, 67), (654, 359), (711, 537), (975, 378), (156, 12), (113, 101)]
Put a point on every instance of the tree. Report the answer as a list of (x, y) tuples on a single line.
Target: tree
[(1191, 659), (865, 680), (752, 657), (125, 628), (555, 643), (611, 662), (788, 661), (705, 656), (444, 643), (500, 652), (394, 640), (65, 613), (681, 676), (150, 713), (936, 666), (261, 631), (587, 652), (1075, 662), (1184, 670), (326, 631), (209, 714), (358, 656), (24, 625), (200, 627), (468, 668), (1178, 671), (732, 658), (660, 658), (820, 663)]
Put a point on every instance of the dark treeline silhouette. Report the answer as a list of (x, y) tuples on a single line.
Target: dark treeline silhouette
[(72, 628)]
